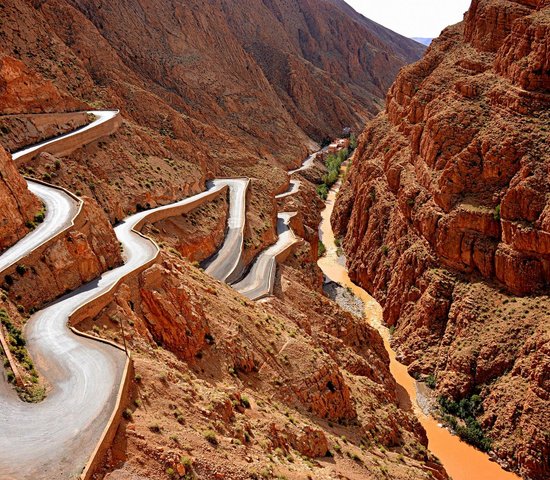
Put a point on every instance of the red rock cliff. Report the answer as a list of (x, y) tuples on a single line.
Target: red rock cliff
[(445, 218), (19, 206)]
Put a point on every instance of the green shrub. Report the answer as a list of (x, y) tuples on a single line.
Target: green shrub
[(321, 249), (210, 437), (245, 402), (496, 213), (467, 409), (21, 269), (155, 428), (322, 191), (39, 217)]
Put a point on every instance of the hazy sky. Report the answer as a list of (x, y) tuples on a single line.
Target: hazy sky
[(413, 18)]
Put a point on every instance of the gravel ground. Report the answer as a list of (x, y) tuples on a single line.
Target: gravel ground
[(345, 298)]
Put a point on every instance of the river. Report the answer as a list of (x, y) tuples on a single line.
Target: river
[(461, 461)]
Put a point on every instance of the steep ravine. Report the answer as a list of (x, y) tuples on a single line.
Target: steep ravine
[(444, 218), (460, 460)]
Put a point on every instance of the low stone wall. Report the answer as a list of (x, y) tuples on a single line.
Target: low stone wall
[(279, 258), (11, 361), (31, 128), (179, 209), (283, 255), (67, 145), (111, 428)]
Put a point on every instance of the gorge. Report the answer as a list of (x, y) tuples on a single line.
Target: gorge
[(163, 308)]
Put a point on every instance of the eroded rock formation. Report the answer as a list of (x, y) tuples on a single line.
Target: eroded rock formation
[(19, 206), (444, 218)]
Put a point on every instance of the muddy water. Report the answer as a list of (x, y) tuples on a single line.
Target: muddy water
[(461, 461)]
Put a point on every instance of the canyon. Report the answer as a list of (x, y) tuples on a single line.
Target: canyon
[(444, 220), (442, 217), (208, 366)]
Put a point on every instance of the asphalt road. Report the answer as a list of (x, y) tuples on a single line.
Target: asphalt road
[(260, 279), (101, 117), (54, 439), (226, 263), (292, 189), (308, 162), (60, 210), (60, 207)]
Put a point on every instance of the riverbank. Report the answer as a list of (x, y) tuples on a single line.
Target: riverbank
[(462, 461)]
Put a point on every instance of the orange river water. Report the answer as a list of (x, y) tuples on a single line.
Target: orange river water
[(461, 461)]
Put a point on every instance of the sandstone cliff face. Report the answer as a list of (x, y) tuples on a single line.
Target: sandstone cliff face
[(329, 65), (19, 206), (444, 217), (23, 90)]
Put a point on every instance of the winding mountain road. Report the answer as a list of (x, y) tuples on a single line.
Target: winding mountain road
[(259, 281), (308, 162), (101, 116), (226, 264), (293, 188), (60, 210), (55, 438), (60, 206)]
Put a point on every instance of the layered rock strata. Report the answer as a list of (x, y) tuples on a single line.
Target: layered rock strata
[(444, 218)]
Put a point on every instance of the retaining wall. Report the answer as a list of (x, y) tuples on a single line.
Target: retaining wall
[(93, 307), (13, 365), (66, 145)]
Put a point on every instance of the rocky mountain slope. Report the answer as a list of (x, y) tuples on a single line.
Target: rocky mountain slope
[(197, 95), (445, 218), (290, 387), (19, 205), (235, 388)]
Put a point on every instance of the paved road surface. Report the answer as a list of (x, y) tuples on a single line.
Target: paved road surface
[(60, 210), (292, 189), (259, 281), (308, 162), (54, 439), (60, 207), (226, 263), (101, 117)]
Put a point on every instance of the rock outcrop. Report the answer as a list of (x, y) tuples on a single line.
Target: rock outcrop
[(19, 205), (444, 218), (23, 90), (196, 235)]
